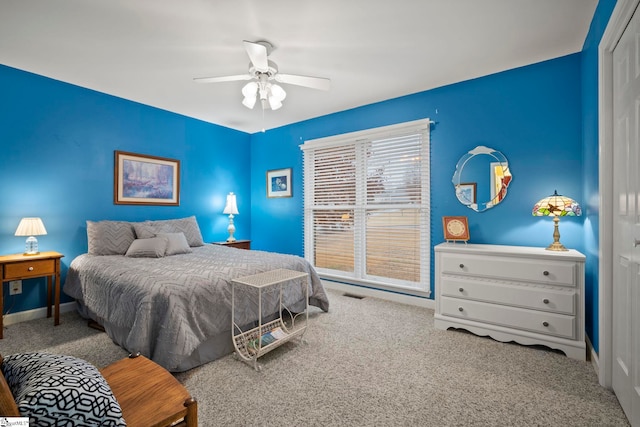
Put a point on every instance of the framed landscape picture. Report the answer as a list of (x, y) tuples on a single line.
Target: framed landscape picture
[(146, 180), (279, 183)]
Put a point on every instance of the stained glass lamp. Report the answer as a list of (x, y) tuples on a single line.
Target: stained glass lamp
[(557, 206)]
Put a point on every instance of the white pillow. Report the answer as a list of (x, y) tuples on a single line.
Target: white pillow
[(176, 243), (154, 247)]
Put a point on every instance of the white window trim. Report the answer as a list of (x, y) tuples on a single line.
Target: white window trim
[(417, 126)]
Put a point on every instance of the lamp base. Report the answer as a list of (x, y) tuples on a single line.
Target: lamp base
[(556, 246), (231, 229), (31, 246)]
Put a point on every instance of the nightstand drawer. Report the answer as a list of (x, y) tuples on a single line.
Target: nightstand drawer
[(33, 268)]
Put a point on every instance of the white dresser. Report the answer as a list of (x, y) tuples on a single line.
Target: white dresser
[(512, 293)]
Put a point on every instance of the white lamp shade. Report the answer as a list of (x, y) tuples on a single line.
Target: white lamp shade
[(231, 208), (249, 101), (31, 227), (274, 103), (278, 92)]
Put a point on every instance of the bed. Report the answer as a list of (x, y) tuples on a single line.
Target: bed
[(158, 289)]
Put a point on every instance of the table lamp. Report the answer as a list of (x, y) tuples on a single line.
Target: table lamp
[(231, 209), (556, 206), (31, 227)]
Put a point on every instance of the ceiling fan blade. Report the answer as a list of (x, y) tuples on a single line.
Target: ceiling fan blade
[(222, 79), (313, 82), (258, 55)]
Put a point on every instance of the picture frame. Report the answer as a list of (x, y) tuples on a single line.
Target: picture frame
[(467, 192), (456, 228), (279, 183), (141, 179)]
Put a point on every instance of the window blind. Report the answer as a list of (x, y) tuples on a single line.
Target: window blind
[(366, 198)]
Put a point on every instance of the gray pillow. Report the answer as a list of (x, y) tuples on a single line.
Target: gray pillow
[(154, 247), (109, 237), (58, 390), (188, 226), (176, 243)]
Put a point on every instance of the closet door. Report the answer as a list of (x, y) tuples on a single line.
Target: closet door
[(626, 239)]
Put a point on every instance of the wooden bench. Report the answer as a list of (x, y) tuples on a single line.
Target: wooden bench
[(148, 394)]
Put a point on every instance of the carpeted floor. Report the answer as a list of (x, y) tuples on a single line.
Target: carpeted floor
[(369, 362)]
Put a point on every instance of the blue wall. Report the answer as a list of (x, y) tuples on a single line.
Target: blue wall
[(543, 117), (531, 114), (590, 160), (58, 143)]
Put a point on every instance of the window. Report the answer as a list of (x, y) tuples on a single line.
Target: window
[(366, 203)]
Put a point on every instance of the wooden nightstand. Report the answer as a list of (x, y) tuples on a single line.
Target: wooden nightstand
[(45, 264), (240, 244)]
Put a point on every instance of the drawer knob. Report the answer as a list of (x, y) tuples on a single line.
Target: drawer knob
[(546, 273), (30, 268), (461, 265), (545, 324), (546, 301), (460, 309), (461, 289)]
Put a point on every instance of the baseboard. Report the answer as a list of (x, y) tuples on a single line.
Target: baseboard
[(593, 357), (386, 295), (36, 313)]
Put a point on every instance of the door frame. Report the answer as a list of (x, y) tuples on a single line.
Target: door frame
[(618, 22)]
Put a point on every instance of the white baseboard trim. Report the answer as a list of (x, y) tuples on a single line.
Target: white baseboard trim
[(386, 295), (36, 313), (593, 356)]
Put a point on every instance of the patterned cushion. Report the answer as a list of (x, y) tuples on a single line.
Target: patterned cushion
[(109, 237), (56, 390), (176, 243), (154, 247), (188, 226)]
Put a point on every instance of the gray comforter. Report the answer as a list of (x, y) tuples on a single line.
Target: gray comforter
[(173, 309)]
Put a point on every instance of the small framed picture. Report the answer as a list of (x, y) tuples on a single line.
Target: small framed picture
[(466, 193), (455, 228), (279, 183)]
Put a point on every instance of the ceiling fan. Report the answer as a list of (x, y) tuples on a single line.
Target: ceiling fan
[(263, 73)]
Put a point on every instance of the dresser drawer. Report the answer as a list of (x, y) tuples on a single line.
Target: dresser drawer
[(530, 320), (561, 273), (24, 269), (554, 300)]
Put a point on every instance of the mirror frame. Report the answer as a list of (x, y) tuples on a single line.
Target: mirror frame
[(463, 189)]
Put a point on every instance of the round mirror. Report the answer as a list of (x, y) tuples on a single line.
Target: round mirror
[(481, 178)]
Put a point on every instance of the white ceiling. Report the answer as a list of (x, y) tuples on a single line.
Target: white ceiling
[(150, 50)]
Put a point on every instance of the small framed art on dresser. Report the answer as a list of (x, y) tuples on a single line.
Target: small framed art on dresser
[(456, 228)]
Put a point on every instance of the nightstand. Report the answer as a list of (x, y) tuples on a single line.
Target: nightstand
[(240, 244), (44, 264)]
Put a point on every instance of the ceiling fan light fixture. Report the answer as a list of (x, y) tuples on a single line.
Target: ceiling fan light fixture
[(250, 89), (250, 92), (277, 92), (249, 101), (274, 103)]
